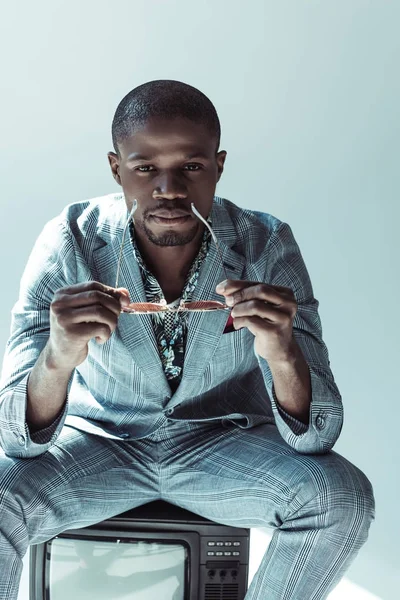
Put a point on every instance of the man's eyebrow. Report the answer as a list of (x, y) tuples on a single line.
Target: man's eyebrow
[(190, 156), (198, 154), (138, 156)]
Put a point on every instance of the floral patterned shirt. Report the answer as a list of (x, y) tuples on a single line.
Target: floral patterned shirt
[(171, 327)]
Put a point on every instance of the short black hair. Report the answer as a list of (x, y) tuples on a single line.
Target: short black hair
[(167, 99)]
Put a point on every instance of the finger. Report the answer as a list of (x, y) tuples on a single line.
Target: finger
[(243, 290), (86, 286), (254, 324), (268, 312), (89, 286), (229, 286), (261, 291), (87, 331), (92, 297), (88, 314)]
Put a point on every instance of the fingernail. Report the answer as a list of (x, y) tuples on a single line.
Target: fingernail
[(229, 300), (124, 300), (221, 286)]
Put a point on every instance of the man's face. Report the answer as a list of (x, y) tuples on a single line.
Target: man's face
[(166, 165)]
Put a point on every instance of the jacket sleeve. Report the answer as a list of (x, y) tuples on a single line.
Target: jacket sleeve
[(285, 267), (51, 265)]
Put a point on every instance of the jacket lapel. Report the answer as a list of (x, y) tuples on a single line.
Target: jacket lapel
[(136, 331), (205, 329)]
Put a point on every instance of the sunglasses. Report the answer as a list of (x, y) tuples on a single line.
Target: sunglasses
[(142, 308)]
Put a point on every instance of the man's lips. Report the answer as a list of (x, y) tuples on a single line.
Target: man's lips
[(171, 215), (171, 219)]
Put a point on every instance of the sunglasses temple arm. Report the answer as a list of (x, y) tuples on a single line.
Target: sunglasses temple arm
[(134, 207), (196, 212)]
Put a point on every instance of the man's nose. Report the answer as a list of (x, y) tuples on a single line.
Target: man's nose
[(169, 185)]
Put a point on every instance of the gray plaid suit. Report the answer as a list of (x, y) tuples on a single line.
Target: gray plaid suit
[(220, 446)]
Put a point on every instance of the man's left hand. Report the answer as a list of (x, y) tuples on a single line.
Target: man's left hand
[(267, 311)]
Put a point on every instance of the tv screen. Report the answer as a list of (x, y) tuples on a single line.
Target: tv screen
[(104, 568)]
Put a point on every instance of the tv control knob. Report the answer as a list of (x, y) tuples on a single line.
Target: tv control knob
[(211, 573), (222, 573), (234, 573)]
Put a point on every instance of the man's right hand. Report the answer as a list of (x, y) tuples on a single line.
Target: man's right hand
[(79, 313)]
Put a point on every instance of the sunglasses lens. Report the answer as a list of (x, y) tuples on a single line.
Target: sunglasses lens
[(141, 308), (204, 305)]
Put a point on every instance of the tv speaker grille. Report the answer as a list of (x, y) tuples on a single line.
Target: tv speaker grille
[(222, 591)]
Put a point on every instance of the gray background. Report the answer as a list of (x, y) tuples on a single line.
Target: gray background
[(308, 96)]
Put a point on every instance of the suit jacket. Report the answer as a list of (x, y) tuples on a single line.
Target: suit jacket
[(120, 390)]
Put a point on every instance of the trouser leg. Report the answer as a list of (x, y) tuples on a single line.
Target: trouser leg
[(81, 480), (320, 506)]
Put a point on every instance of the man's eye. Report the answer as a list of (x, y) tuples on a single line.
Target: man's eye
[(145, 167), (196, 167)]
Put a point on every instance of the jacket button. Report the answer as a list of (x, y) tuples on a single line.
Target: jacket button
[(320, 422), (21, 440), (169, 411)]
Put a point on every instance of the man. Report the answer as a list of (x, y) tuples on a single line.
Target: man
[(230, 413)]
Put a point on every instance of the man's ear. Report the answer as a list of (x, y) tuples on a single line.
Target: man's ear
[(221, 156), (114, 164)]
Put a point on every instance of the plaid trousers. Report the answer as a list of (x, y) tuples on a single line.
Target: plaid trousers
[(319, 505)]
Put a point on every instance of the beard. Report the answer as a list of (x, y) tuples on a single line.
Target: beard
[(168, 238)]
